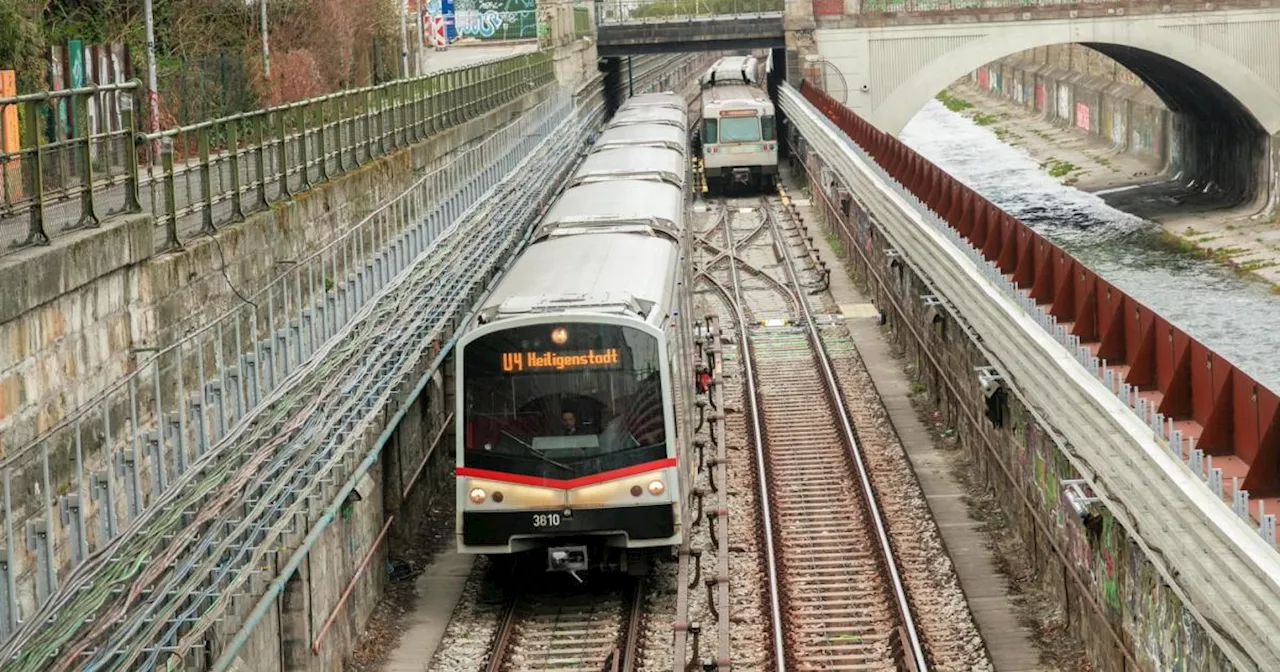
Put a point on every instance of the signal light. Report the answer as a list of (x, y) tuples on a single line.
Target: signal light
[(477, 496), (657, 488)]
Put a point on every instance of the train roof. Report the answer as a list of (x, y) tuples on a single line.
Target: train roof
[(728, 96), (731, 69), (643, 135), (661, 99), (606, 273), (604, 205), (650, 115), (642, 163)]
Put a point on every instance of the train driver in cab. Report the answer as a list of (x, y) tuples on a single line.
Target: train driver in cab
[(569, 424)]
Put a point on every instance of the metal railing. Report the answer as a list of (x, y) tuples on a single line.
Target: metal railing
[(582, 26), (198, 177), (75, 164), (920, 6), (651, 11), (306, 437), (76, 487)]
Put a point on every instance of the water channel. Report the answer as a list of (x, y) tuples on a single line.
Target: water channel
[(1237, 317)]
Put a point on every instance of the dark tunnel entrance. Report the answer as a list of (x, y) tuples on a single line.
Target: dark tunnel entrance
[(1219, 152)]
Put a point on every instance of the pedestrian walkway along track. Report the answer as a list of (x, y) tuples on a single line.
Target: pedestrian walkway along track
[(163, 582), (1218, 567), (572, 630), (839, 587)]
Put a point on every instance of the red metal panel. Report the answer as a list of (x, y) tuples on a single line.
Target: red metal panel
[(828, 7), (1164, 357), (1248, 433), (1235, 415)]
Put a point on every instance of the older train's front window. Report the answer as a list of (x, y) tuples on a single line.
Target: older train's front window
[(563, 400), (739, 129)]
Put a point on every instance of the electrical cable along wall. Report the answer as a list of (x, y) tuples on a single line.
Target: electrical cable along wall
[(158, 587)]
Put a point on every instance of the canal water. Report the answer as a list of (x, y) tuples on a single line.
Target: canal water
[(1237, 317)]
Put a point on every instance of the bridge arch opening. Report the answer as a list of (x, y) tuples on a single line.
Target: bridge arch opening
[(1225, 118)]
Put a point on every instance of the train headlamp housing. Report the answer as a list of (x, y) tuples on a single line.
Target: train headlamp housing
[(657, 487), (477, 495)]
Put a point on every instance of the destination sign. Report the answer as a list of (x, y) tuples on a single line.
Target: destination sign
[(516, 362)]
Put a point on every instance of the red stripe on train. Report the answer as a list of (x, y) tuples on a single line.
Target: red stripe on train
[(521, 479)]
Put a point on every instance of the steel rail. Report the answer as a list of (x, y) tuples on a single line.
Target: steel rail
[(1232, 595), (757, 434), (1085, 591), (896, 585)]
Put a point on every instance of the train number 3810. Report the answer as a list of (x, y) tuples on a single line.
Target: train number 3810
[(546, 520)]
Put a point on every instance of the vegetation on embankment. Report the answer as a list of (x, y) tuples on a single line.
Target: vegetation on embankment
[(208, 52)]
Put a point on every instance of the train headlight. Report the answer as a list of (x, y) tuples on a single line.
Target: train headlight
[(477, 496), (497, 497), (657, 488)]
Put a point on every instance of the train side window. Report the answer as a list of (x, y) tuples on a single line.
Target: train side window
[(710, 129), (767, 128)]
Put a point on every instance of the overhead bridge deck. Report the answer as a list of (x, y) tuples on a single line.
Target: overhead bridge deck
[(1224, 573)]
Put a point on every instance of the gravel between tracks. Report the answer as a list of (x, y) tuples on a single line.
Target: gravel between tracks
[(939, 605)]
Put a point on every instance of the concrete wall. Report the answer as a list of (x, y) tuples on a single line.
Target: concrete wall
[(1077, 87), (80, 308), (1114, 600)]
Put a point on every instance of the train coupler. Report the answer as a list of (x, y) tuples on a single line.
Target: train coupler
[(570, 559)]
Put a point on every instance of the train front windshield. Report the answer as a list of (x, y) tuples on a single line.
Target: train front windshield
[(562, 401), (738, 129)]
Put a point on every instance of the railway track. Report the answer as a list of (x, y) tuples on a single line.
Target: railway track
[(574, 630), (838, 598)]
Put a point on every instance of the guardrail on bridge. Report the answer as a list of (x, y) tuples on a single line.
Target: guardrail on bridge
[(610, 12)]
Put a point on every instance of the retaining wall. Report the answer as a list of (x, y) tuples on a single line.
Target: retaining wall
[(1113, 599), (1079, 88)]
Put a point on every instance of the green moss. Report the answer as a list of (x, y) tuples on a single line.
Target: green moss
[(983, 119), (952, 102), (1058, 168)]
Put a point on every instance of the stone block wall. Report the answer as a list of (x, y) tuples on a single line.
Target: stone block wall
[(1113, 598), (81, 309), (1077, 87)]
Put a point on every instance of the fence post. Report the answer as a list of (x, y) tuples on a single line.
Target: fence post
[(88, 213), (132, 201), (343, 121), (433, 103), (206, 181), (35, 176), (233, 149), (260, 130), (170, 195), (304, 160), (321, 146), (282, 130)]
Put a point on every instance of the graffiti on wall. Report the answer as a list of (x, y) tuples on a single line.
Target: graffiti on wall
[(1082, 116), (1117, 125), (1040, 97), (496, 19), (1064, 102)]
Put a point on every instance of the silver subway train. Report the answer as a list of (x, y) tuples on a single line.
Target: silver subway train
[(571, 433), (738, 138)]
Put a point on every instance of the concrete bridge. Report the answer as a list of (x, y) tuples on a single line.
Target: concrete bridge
[(1217, 70)]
